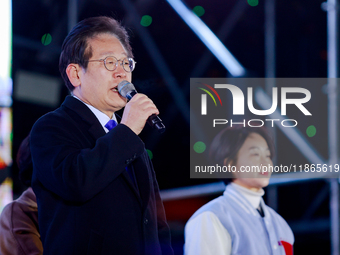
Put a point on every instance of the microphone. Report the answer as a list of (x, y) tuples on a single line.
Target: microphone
[(127, 90)]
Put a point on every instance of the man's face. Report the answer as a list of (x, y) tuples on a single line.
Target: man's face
[(97, 84)]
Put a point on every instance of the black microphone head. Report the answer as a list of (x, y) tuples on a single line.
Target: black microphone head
[(125, 87)]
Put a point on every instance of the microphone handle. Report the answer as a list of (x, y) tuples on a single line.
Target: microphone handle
[(156, 122), (130, 94), (153, 120)]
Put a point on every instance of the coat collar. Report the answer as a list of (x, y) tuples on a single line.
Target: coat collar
[(78, 107)]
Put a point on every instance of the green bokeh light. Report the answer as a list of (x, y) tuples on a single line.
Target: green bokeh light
[(146, 21), (311, 131), (46, 39), (199, 147), (253, 2), (150, 154), (198, 10)]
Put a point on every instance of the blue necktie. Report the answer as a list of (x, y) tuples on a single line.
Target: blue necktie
[(110, 125)]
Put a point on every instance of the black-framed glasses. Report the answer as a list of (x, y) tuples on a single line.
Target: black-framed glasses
[(111, 63)]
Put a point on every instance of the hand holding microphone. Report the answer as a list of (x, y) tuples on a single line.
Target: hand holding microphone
[(139, 108)]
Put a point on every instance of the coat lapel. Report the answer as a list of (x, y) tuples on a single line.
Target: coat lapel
[(142, 178), (75, 106), (133, 186)]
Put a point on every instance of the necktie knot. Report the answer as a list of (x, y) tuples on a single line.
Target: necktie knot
[(110, 124)]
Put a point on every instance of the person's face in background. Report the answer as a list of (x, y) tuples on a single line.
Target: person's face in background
[(98, 85), (254, 152)]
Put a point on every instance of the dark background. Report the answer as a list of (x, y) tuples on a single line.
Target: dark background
[(301, 51)]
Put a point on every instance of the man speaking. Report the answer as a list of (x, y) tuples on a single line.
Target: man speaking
[(95, 185)]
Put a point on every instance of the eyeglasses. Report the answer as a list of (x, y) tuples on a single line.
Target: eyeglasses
[(111, 63)]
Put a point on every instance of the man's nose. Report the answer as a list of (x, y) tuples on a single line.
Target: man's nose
[(119, 72)]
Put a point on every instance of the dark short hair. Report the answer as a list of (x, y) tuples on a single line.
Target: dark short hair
[(75, 46), (229, 141), (24, 162)]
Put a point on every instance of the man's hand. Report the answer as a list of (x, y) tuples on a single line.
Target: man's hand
[(137, 111)]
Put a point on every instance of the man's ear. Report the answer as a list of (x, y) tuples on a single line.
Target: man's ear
[(73, 74)]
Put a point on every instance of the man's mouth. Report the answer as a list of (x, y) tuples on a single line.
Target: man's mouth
[(115, 89)]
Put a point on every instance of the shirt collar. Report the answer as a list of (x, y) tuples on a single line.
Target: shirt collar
[(102, 117)]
